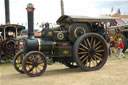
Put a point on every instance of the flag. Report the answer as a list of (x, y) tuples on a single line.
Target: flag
[(118, 11), (111, 9)]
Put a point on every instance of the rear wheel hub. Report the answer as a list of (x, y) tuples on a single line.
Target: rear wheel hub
[(91, 52)]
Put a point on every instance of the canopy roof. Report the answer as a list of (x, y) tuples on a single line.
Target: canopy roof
[(69, 19), (119, 26), (11, 25)]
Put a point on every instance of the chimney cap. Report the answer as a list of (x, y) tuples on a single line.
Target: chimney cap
[(30, 7)]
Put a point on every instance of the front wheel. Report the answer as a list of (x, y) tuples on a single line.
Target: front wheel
[(90, 51), (34, 63)]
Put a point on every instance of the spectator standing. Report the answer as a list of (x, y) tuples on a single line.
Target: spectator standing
[(112, 47), (121, 47)]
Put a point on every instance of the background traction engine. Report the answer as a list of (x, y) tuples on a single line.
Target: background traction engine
[(9, 40), (121, 31), (9, 36), (72, 44)]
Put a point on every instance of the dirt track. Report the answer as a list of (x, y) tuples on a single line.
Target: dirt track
[(115, 72)]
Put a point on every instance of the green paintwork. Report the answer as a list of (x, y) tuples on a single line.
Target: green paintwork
[(46, 45), (62, 51), (55, 49)]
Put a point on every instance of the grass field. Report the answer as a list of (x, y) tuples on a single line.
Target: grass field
[(115, 72)]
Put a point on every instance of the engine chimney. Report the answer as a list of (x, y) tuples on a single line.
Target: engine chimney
[(30, 11), (7, 13), (62, 7)]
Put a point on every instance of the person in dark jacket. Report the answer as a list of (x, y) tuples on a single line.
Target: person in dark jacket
[(112, 46)]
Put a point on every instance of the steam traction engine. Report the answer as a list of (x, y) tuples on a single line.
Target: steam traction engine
[(9, 40), (121, 31), (9, 36), (75, 41)]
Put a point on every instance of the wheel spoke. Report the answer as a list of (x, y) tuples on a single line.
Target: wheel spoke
[(83, 46), (93, 62), (84, 59), (91, 40), (85, 43), (82, 49), (29, 67), (99, 50), (38, 68), (98, 47), (41, 65), (82, 52), (98, 54), (95, 59), (28, 62), (90, 63), (41, 61), (34, 57), (30, 58), (86, 63), (33, 70), (98, 57), (88, 42), (82, 56), (37, 56), (94, 43), (98, 43)]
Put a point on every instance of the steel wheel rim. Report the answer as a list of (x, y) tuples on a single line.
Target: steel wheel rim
[(117, 36), (91, 52), (35, 64)]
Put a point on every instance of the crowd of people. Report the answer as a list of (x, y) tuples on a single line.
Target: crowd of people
[(119, 53)]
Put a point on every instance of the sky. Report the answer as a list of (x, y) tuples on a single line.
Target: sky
[(49, 10)]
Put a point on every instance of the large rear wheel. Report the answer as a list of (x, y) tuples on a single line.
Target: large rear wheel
[(90, 51)]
